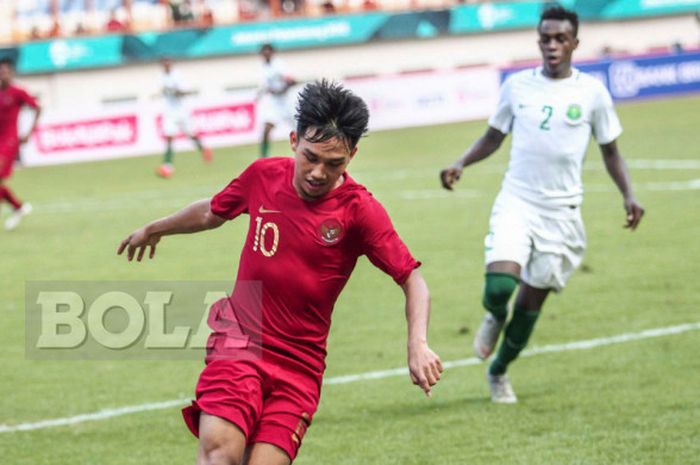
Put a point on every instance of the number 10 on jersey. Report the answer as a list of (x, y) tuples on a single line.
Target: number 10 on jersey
[(261, 233)]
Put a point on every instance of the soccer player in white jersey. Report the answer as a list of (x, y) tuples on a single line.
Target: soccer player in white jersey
[(273, 96), (536, 237), (176, 117)]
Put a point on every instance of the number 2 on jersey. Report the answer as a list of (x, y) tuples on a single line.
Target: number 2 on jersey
[(547, 110)]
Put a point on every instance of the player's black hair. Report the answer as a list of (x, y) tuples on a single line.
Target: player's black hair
[(267, 46), (330, 110), (7, 61), (562, 14)]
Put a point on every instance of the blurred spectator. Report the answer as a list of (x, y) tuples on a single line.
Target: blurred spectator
[(248, 10), (34, 33), (113, 24), (292, 7), (55, 30), (328, 7), (181, 11), (369, 5), (80, 30), (207, 18)]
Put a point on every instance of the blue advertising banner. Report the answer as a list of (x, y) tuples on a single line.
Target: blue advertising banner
[(643, 77)]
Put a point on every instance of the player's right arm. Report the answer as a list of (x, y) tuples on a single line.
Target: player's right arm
[(500, 124), (482, 148), (193, 218)]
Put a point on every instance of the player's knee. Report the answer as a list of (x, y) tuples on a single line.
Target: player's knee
[(498, 289), (220, 454)]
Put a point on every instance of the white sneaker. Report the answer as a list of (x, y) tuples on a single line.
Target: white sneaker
[(501, 390), (16, 216), (487, 336)]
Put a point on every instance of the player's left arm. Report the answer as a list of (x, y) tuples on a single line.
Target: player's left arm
[(617, 169), (37, 113), (424, 365)]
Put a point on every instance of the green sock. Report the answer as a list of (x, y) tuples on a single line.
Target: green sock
[(168, 157), (198, 143), (515, 339), (264, 148), (498, 288)]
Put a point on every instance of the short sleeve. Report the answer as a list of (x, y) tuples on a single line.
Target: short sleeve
[(502, 118), (28, 99), (382, 244), (233, 199), (606, 125)]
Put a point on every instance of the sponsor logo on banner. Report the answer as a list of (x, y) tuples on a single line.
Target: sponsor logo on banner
[(88, 134), (629, 79), (64, 52), (221, 120)]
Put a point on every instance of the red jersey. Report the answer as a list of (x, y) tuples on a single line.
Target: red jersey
[(12, 98), (302, 253)]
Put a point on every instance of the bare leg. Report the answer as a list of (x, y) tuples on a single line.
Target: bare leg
[(262, 453), (220, 442), (511, 268), (531, 298)]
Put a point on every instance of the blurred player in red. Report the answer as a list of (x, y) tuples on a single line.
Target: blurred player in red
[(12, 99), (309, 223)]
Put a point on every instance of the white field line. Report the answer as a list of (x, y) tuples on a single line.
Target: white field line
[(371, 375), (181, 197), (426, 194)]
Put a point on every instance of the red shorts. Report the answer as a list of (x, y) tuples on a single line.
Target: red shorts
[(8, 155), (268, 402)]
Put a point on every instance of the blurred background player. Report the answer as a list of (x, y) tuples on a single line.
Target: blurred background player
[(258, 400), (536, 236), (176, 118), (273, 96), (12, 99)]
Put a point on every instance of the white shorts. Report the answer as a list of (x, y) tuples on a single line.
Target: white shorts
[(176, 122), (276, 110), (547, 244)]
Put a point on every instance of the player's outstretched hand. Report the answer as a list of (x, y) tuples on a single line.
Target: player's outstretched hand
[(424, 366), (137, 243), (634, 213), (449, 176)]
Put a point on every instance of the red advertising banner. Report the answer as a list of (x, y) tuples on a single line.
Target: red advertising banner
[(103, 132)]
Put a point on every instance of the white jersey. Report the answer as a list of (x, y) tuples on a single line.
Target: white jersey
[(274, 76), (552, 121), (172, 83)]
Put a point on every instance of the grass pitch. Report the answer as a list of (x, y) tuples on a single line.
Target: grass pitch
[(629, 403)]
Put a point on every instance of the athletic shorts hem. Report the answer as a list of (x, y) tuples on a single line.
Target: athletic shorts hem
[(289, 449), (192, 413)]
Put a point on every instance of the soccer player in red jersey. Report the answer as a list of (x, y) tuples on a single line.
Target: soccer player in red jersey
[(309, 223), (12, 99)]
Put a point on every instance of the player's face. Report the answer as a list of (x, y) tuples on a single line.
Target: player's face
[(5, 75), (266, 54), (318, 166), (557, 43)]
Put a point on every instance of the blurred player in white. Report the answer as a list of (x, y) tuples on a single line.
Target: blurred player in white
[(176, 118), (273, 96), (536, 236)]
